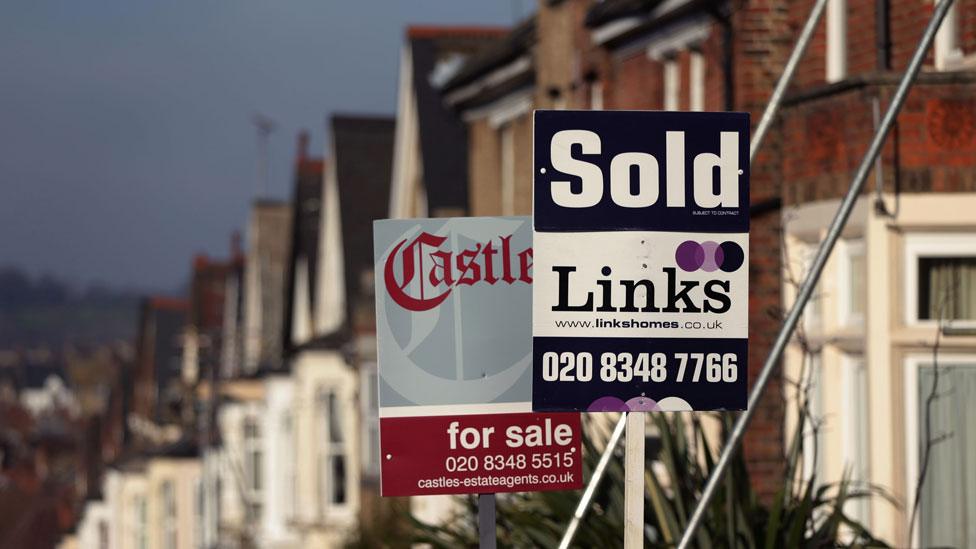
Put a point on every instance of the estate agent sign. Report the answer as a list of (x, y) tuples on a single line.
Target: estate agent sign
[(453, 322), (641, 252)]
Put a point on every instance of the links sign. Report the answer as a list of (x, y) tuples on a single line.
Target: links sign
[(641, 242)]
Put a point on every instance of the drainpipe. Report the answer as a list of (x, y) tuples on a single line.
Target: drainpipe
[(728, 76), (882, 33)]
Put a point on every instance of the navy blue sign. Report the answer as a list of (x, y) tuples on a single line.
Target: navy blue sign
[(640, 266), (662, 152)]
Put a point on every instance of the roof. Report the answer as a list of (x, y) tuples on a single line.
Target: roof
[(415, 32), (363, 148), (627, 21), (167, 303), (611, 10), (443, 135), (208, 286), (306, 213), (504, 51), (183, 448)]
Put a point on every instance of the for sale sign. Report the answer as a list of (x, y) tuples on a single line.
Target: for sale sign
[(641, 261), (484, 453), (453, 326)]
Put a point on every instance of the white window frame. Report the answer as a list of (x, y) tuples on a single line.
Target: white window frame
[(198, 513), (912, 364), (696, 80), (325, 450), (845, 300), (286, 455), (855, 429), (140, 522), (920, 245), (815, 378), (836, 47), (671, 80), (369, 408), (253, 445), (947, 50), (813, 313), (169, 521)]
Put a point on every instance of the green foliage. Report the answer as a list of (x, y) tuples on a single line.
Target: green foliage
[(803, 513)]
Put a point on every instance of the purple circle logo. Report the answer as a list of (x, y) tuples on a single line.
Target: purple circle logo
[(709, 256)]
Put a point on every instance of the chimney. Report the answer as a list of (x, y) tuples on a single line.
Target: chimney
[(302, 145), (236, 251)]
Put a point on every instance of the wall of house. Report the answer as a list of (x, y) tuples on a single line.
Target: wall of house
[(320, 523), (886, 341), (184, 474), (94, 526), (279, 464)]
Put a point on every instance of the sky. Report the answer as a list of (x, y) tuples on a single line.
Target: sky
[(126, 135)]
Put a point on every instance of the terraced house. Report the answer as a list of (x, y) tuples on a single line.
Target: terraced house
[(899, 284), (250, 417)]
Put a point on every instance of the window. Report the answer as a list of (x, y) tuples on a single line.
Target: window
[(852, 291), (813, 312), (836, 40), (139, 523), (288, 463), (369, 398), (168, 500), (103, 534), (672, 83), (507, 136), (949, 490), (696, 84), (253, 455), (855, 433), (940, 278), (947, 288), (198, 513), (332, 472), (813, 438)]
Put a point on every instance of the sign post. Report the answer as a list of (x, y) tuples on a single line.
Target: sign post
[(640, 300), (486, 521), (634, 482)]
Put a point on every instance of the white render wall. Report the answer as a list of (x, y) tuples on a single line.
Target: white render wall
[(885, 338), (322, 525), (279, 464), (184, 473)]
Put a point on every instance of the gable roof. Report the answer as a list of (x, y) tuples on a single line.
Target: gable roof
[(443, 135), (620, 23), (306, 216), (612, 10), (363, 148), (508, 49)]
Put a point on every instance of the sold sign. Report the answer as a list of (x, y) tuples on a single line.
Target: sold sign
[(640, 292)]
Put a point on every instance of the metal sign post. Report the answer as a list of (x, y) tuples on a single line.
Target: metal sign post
[(486, 521), (806, 290)]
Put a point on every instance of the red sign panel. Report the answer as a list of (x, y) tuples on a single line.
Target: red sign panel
[(487, 453)]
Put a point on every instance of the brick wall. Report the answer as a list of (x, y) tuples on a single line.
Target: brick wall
[(760, 47), (634, 82), (762, 40), (931, 149)]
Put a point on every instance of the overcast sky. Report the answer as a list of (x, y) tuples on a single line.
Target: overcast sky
[(126, 142)]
